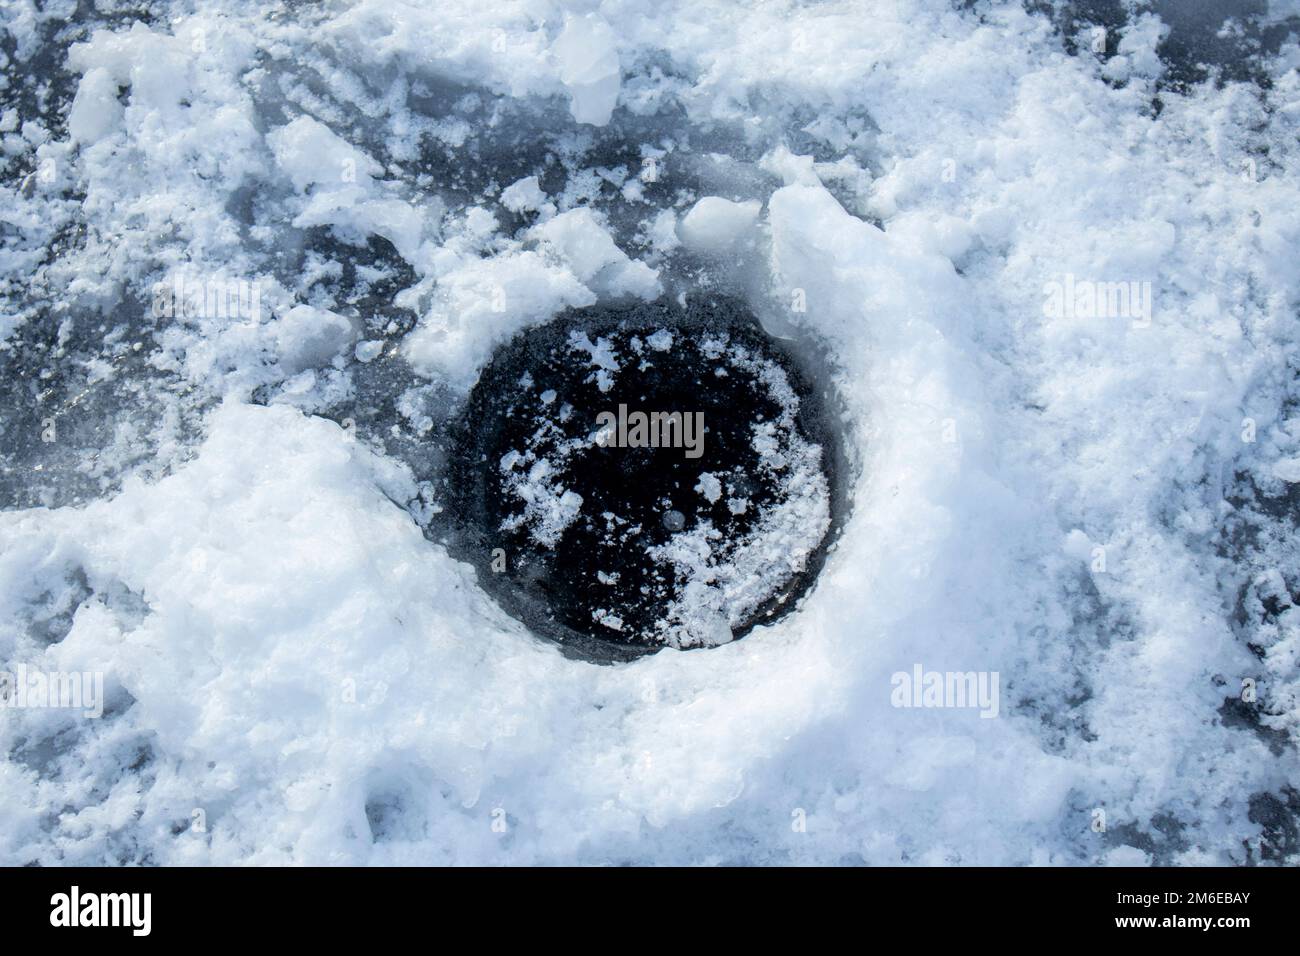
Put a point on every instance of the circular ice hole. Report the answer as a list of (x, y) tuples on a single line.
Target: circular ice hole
[(588, 440)]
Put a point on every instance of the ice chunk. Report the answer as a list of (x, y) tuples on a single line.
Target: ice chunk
[(714, 223)]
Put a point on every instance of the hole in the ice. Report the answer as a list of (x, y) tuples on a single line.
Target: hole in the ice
[(626, 479), (386, 815), (394, 807)]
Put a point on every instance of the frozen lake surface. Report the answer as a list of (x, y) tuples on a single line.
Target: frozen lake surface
[(1042, 255)]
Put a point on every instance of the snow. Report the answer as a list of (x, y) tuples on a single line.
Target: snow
[(1093, 506)]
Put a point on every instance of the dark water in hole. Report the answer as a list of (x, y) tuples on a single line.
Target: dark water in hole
[(600, 566)]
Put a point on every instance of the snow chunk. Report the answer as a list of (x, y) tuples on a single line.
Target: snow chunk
[(526, 195), (549, 508), (307, 337), (709, 486), (483, 301), (1077, 545), (587, 54), (608, 619), (95, 110), (943, 235), (343, 191), (1126, 855), (1288, 469), (660, 341), (310, 154), (601, 356), (662, 231), (596, 260)]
